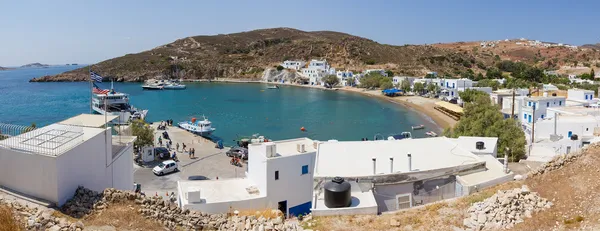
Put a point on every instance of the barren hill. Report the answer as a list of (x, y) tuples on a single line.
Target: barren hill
[(247, 54)]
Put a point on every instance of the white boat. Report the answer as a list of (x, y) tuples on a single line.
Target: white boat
[(174, 86), (273, 87), (153, 87), (110, 102), (401, 136), (202, 127), (417, 127), (431, 133)]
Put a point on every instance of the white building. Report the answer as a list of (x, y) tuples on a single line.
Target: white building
[(346, 78), (397, 80), (497, 96), (540, 104), (584, 97), (316, 70), (549, 87), (293, 64), (507, 106), (396, 174), (379, 71), (279, 175), (49, 163)]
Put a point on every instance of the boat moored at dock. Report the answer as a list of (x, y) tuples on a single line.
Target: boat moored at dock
[(110, 102), (401, 136), (202, 127)]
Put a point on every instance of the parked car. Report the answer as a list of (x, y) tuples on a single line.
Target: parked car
[(166, 166), (454, 101), (238, 152), (162, 153)]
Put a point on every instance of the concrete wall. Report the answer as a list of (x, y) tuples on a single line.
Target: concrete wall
[(293, 186), (122, 169), (31, 174), (372, 210), (84, 165), (230, 206), (433, 190), (257, 167), (583, 128)]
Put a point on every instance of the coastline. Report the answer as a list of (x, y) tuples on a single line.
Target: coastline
[(423, 106)]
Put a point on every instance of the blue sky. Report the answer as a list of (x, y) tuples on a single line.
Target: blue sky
[(60, 31)]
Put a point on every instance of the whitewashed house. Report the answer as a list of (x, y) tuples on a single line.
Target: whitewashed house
[(379, 71), (279, 176), (49, 163), (549, 87), (581, 96), (497, 96), (316, 70), (347, 78), (388, 175), (293, 64), (397, 80)]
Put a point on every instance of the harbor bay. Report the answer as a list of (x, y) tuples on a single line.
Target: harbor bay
[(235, 109)]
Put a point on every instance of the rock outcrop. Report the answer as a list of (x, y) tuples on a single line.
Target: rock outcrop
[(273, 75), (557, 163), (504, 209), (40, 219)]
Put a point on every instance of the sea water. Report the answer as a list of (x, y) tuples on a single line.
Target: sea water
[(235, 109)]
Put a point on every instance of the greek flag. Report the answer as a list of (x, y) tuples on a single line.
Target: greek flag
[(95, 77)]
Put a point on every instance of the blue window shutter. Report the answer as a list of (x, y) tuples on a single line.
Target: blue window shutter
[(524, 116), (559, 103), (542, 116), (304, 169), (528, 103)]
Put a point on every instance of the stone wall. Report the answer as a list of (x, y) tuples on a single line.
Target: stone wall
[(559, 161)]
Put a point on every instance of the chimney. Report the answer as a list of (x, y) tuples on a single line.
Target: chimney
[(391, 164), (374, 165), (409, 162), (506, 162)]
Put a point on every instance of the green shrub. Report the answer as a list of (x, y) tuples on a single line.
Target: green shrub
[(280, 68)]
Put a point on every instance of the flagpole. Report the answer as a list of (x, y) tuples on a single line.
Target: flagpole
[(91, 88)]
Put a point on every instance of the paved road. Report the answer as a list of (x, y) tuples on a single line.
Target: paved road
[(209, 163)]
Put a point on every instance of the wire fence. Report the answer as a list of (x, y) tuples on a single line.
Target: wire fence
[(47, 141)]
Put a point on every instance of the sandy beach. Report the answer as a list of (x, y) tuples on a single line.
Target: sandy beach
[(422, 105)]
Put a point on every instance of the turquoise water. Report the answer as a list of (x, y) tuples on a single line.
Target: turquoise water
[(234, 108)]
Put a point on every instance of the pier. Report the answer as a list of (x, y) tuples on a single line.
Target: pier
[(208, 163)]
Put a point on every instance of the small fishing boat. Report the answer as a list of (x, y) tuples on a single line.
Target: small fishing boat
[(273, 87), (202, 128), (417, 127), (431, 133), (401, 136)]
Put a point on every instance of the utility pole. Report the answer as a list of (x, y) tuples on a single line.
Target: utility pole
[(533, 126), (512, 115)]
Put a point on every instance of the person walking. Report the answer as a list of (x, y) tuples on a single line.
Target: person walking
[(183, 144), (193, 152), (177, 146)]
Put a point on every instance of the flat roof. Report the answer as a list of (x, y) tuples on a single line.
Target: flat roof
[(577, 89), (469, 143), (89, 120), (449, 106), (577, 110), (494, 170), (354, 158), (290, 147), (215, 191), (538, 98), (52, 140)]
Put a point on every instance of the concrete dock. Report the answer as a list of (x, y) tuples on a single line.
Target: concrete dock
[(209, 163)]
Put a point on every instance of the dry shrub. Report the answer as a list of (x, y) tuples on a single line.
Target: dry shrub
[(122, 216), (7, 220)]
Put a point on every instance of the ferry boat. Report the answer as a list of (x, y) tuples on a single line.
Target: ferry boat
[(202, 128), (115, 103), (401, 136), (153, 87)]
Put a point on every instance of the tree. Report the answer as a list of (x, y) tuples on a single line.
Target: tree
[(592, 73), (433, 88), (430, 76), (489, 83), (469, 74), (405, 86), (419, 87), (469, 95), (331, 80), (386, 85), (144, 133), (280, 68), (493, 73), (389, 73), (481, 118)]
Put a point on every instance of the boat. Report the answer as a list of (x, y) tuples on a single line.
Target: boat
[(431, 133), (110, 102), (202, 127), (153, 87), (174, 86), (273, 87), (254, 139), (401, 136), (417, 127)]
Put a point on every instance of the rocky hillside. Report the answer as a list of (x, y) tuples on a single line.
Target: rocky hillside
[(248, 54), (4, 68)]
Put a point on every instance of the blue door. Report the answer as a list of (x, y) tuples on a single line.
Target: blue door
[(529, 118), (570, 134)]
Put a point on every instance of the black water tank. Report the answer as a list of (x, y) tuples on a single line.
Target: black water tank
[(479, 145), (574, 137), (337, 193), (553, 94)]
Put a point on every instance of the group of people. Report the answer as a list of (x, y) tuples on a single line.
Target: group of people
[(163, 124)]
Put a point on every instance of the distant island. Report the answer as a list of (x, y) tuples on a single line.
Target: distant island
[(5, 68), (34, 65)]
